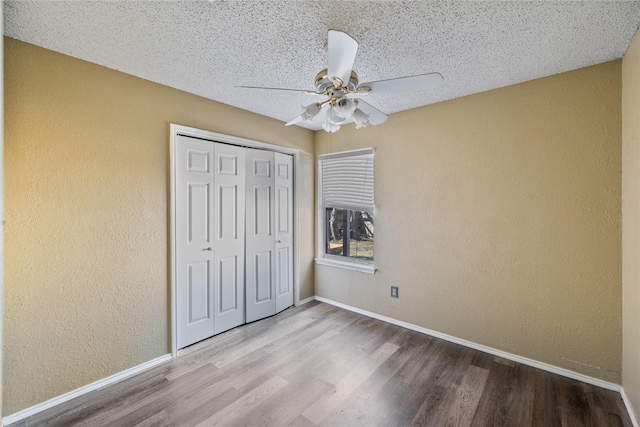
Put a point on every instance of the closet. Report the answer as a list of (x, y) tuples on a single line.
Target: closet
[(233, 236)]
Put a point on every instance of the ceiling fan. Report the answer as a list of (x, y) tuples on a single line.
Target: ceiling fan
[(339, 84)]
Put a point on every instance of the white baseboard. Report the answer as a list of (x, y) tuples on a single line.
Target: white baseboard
[(630, 410), (10, 419), (520, 359), (306, 300)]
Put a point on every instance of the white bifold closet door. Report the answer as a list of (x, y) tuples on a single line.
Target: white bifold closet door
[(269, 238), (284, 230), (234, 240), (260, 238), (228, 250), (194, 240)]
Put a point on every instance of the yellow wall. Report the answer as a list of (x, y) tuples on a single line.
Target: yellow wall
[(498, 217), (631, 222), (1, 211), (87, 206)]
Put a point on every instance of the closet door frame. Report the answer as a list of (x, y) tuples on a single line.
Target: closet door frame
[(176, 130)]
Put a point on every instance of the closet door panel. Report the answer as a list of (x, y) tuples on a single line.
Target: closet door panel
[(228, 279), (194, 198), (228, 220), (284, 230), (260, 237), (262, 276)]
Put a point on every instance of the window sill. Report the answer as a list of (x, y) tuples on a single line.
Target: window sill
[(353, 266)]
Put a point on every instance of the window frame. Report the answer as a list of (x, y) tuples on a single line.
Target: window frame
[(338, 261)]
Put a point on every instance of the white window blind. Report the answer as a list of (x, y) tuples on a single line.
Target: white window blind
[(347, 180)]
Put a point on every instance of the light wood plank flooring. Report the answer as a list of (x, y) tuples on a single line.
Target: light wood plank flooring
[(320, 365)]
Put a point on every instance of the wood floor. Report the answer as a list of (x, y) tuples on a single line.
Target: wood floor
[(320, 365)]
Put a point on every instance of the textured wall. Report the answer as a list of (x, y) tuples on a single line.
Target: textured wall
[(631, 222), (498, 216), (1, 217), (87, 193)]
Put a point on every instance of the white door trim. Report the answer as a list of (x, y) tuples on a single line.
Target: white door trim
[(176, 129)]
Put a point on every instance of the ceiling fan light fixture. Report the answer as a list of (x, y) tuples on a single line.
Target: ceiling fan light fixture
[(344, 107), (332, 122), (360, 118), (334, 117), (330, 127)]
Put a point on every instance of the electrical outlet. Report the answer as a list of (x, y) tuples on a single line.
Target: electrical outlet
[(394, 292)]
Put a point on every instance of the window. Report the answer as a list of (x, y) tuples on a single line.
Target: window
[(346, 210), (349, 233)]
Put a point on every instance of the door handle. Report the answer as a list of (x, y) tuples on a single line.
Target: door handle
[(278, 241), (207, 249)]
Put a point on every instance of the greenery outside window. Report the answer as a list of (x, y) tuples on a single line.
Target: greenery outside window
[(345, 189), (349, 233)]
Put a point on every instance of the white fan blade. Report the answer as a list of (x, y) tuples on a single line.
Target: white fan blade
[(295, 121), (375, 116), (405, 84), (278, 88), (342, 53)]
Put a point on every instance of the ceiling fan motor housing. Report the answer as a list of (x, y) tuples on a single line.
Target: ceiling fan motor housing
[(323, 82)]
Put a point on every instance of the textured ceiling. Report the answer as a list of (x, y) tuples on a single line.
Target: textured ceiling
[(209, 47)]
